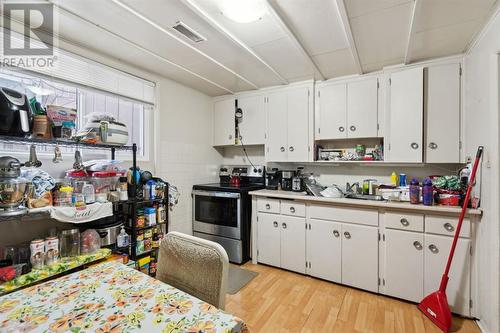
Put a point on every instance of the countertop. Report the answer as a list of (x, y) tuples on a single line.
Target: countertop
[(365, 203)]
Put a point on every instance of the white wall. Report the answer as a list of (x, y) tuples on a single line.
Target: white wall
[(482, 128), (184, 146)]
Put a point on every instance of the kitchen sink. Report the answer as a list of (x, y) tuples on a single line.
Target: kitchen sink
[(364, 196)]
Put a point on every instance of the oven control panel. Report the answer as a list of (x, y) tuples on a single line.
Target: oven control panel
[(248, 171)]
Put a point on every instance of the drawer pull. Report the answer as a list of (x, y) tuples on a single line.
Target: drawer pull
[(291, 148), (282, 149), (433, 145), (404, 222), (353, 128), (292, 210), (414, 145), (283, 225), (268, 206), (433, 248), (347, 235), (449, 227), (336, 233), (341, 129), (417, 245), (275, 224)]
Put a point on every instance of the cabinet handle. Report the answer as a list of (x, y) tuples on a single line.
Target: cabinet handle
[(449, 227), (352, 128), (275, 224), (414, 145), (268, 206), (283, 225), (336, 233), (404, 222), (291, 148), (347, 235), (433, 249), (282, 149), (341, 129), (292, 210), (417, 245), (433, 145)]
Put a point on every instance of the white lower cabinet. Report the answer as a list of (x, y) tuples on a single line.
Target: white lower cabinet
[(282, 241), (324, 250), (360, 256), (436, 253), (404, 264)]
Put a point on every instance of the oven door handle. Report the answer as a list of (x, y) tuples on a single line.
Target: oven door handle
[(217, 194)]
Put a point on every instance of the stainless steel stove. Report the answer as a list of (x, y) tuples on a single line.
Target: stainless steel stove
[(222, 211)]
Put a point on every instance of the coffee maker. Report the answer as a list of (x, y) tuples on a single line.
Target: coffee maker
[(273, 179), (287, 180)]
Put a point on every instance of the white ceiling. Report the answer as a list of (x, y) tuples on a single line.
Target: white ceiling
[(294, 40)]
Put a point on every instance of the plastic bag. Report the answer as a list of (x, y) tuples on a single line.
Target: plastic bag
[(90, 241)]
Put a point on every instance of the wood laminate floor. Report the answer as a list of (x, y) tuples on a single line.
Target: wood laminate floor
[(282, 301)]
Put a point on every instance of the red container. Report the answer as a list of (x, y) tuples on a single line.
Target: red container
[(449, 199)]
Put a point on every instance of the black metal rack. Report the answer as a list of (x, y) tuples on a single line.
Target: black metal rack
[(64, 143)]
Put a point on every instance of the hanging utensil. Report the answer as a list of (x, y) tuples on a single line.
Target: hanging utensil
[(57, 155), (33, 161), (78, 164)]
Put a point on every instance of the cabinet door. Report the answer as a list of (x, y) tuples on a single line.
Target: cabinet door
[(404, 264), (293, 243), (360, 256), (332, 112), (436, 253), (324, 246), (253, 124), (268, 239), (298, 125), (224, 129), (277, 123), (362, 107), (406, 116), (442, 114)]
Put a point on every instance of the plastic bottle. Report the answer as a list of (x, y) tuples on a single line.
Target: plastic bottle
[(123, 238), (88, 192), (394, 178), (427, 192), (414, 191), (402, 180)]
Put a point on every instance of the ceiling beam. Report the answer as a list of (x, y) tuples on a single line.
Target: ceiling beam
[(216, 25), (137, 46), (274, 11), (348, 34), (411, 32), (168, 33)]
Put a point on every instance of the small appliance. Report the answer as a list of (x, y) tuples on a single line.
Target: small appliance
[(287, 180), (298, 181), (273, 179), (13, 187), (15, 113)]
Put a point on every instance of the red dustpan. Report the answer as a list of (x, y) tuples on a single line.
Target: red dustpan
[(435, 306)]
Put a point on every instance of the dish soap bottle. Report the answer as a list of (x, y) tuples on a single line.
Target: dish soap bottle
[(394, 179), (123, 239)]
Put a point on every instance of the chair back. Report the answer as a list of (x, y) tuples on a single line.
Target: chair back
[(194, 265)]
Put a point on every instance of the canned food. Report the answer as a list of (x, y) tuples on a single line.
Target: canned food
[(37, 248)]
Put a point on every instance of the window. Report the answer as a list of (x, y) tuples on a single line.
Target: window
[(132, 113)]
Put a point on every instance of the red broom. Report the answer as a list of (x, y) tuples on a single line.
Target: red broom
[(435, 306)]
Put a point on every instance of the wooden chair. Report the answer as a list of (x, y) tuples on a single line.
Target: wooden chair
[(196, 266)]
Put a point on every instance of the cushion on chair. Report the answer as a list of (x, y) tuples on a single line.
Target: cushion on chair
[(195, 266)]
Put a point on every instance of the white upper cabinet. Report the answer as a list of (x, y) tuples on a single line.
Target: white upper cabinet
[(289, 125), (442, 114), (347, 110), (406, 116), (362, 106), (277, 123), (253, 124), (331, 112), (224, 126)]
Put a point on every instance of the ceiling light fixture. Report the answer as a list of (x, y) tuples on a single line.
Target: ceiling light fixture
[(243, 11)]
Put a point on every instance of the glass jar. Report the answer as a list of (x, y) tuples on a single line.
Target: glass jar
[(63, 196), (70, 243)]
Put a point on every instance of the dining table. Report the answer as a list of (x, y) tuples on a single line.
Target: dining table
[(111, 298)]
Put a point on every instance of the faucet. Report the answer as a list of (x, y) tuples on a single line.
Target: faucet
[(354, 188)]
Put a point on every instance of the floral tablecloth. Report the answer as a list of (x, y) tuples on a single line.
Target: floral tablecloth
[(114, 298), (63, 265)]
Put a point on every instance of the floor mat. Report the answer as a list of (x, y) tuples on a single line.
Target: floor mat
[(238, 278)]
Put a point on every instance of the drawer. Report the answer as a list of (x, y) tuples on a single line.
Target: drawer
[(404, 221), (445, 225), (268, 205), (342, 214), (293, 208)]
